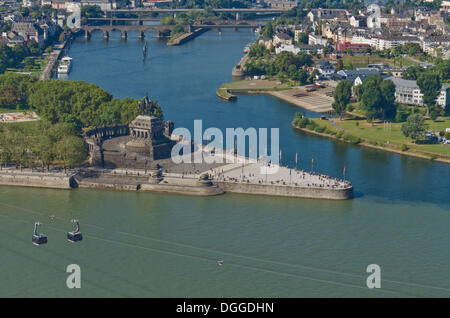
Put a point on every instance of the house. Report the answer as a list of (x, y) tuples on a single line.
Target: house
[(309, 49), (268, 42), (357, 77), (282, 38), (358, 21), (72, 6), (11, 39), (354, 47), (287, 48), (282, 4), (59, 4), (29, 31), (445, 6), (324, 67), (389, 42), (105, 5), (295, 49), (315, 15), (431, 42), (408, 92), (314, 39), (397, 73)]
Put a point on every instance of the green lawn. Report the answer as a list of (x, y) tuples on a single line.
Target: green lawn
[(363, 61), (377, 134)]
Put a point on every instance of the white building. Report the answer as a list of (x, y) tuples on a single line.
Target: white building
[(314, 39), (282, 38), (287, 48), (408, 92), (72, 6), (445, 6), (389, 42), (325, 68), (105, 5)]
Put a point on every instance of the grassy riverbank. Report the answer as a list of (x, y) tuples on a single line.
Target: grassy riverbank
[(224, 94), (378, 136)]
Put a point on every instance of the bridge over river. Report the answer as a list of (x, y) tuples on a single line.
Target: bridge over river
[(161, 30)]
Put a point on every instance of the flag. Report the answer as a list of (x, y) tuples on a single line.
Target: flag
[(343, 172), (280, 154), (296, 158), (312, 160)]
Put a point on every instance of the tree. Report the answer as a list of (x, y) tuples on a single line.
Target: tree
[(71, 151), (389, 108), (358, 91), (430, 86), (414, 126), (339, 65), (412, 72), (178, 28), (377, 97), (303, 38), (342, 96), (267, 31)]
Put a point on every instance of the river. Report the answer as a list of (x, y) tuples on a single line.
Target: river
[(162, 245)]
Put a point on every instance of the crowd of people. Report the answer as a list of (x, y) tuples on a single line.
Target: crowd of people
[(325, 181)]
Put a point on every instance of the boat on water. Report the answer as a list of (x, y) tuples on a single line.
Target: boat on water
[(65, 65), (144, 49)]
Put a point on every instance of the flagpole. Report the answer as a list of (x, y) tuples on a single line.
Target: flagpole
[(290, 174)]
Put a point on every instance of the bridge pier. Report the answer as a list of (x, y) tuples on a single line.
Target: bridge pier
[(141, 35), (105, 35), (87, 35), (124, 35)]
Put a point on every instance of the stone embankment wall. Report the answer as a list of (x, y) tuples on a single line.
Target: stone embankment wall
[(38, 179), (238, 69), (186, 37), (286, 191)]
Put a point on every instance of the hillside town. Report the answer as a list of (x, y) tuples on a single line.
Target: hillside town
[(404, 39)]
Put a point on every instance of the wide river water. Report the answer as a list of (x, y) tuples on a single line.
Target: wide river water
[(162, 245)]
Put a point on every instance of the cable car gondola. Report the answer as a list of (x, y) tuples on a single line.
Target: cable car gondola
[(76, 235), (38, 239)]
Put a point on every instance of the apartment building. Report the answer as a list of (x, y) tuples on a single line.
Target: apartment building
[(408, 92)]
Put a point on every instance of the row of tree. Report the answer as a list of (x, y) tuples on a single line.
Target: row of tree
[(441, 68), (41, 144), (376, 96), (79, 103), (285, 65)]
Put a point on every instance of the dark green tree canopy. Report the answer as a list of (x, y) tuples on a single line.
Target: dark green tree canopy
[(342, 96), (430, 87), (414, 127)]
